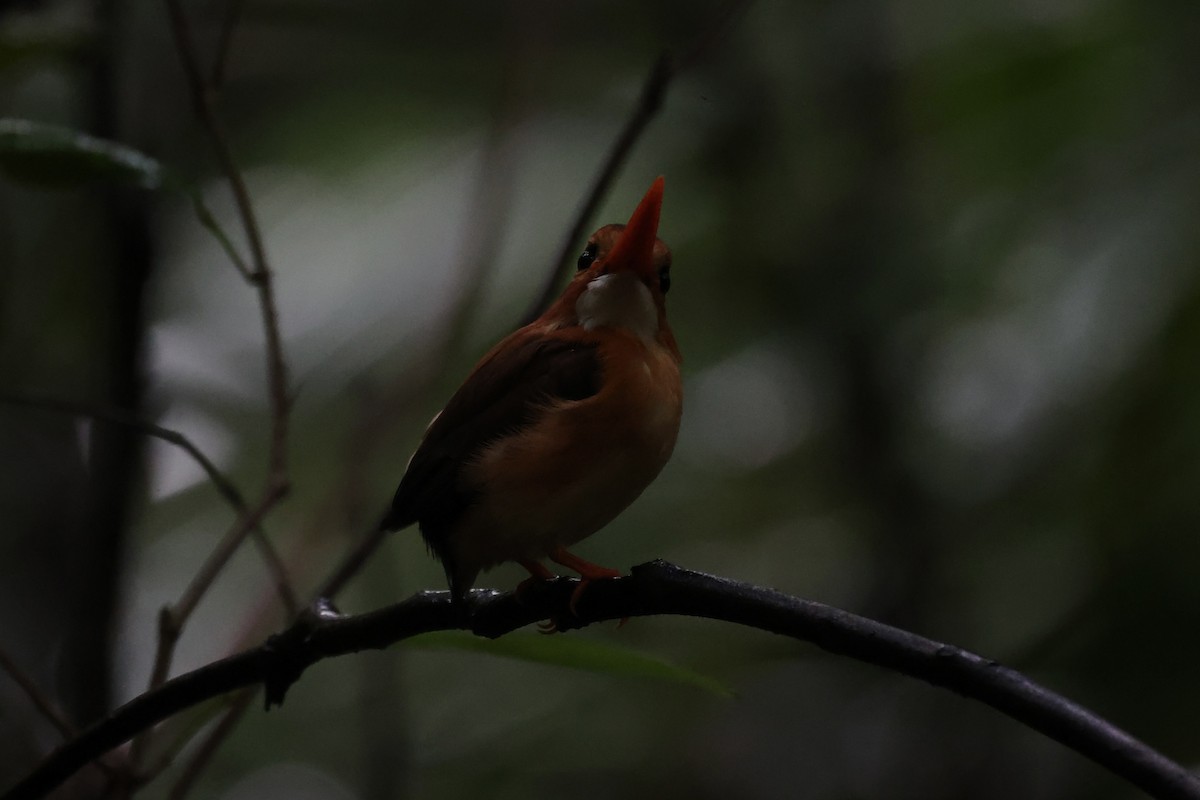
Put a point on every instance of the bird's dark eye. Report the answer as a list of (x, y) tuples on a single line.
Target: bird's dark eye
[(664, 278), (586, 257)]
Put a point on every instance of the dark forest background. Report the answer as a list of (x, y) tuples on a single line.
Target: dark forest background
[(935, 282)]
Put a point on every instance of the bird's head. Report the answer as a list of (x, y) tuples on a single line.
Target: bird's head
[(622, 276)]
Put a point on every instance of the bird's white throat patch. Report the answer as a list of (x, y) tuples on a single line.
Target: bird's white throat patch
[(618, 300)]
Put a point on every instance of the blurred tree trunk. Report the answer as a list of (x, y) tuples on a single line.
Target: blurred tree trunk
[(115, 454)]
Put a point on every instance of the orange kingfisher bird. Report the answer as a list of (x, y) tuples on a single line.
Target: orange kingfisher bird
[(561, 425)]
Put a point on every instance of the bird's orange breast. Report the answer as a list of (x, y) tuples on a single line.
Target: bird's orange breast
[(580, 463)]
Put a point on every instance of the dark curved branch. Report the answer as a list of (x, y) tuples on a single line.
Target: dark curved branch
[(654, 588)]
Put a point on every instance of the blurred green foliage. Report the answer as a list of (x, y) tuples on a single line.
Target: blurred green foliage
[(935, 283)]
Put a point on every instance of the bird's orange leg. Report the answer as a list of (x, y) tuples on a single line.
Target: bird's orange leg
[(537, 572), (588, 572)]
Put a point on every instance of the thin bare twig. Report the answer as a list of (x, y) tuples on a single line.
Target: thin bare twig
[(225, 486), (220, 555), (352, 563), (47, 707), (228, 718), (202, 102), (229, 21), (651, 589), (277, 483), (365, 436), (649, 102), (173, 618), (200, 759), (125, 419), (654, 89), (206, 218)]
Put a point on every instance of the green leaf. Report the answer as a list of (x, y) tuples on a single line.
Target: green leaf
[(574, 652), (35, 152), (30, 49)]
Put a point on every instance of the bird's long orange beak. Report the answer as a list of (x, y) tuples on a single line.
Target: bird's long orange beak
[(635, 249)]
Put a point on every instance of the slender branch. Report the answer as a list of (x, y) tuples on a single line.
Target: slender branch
[(210, 224), (212, 742), (352, 563), (202, 102), (227, 489), (361, 442), (172, 619), (48, 708), (654, 89), (649, 102), (118, 417), (652, 589), (229, 21), (260, 277), (220, 555)]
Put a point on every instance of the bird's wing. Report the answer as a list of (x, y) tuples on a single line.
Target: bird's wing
[(502, 396)]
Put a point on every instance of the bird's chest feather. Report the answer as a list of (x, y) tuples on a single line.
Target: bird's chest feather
[(582, 462), (639, 405)]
